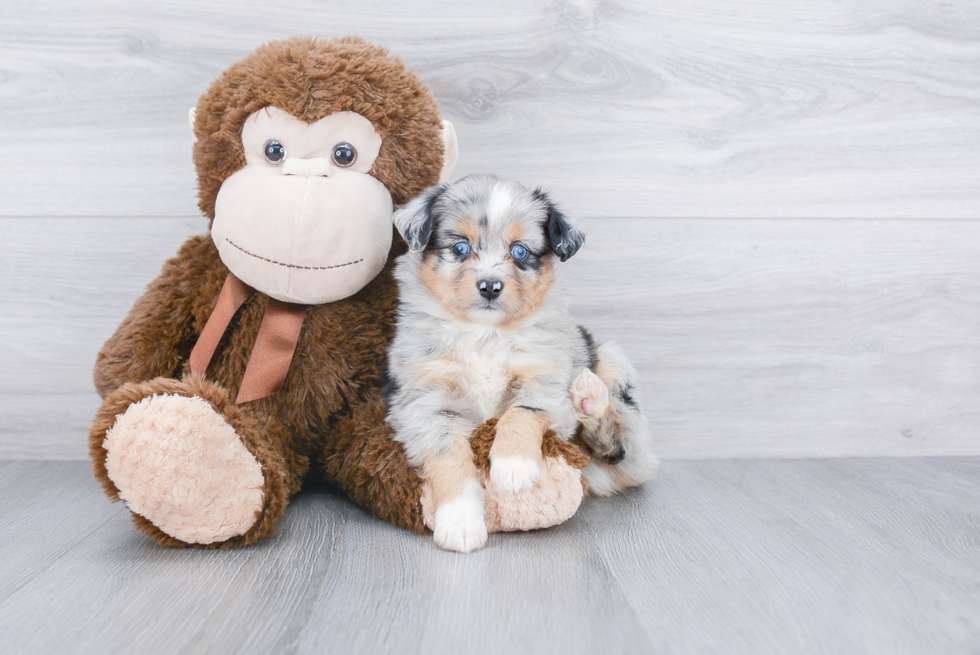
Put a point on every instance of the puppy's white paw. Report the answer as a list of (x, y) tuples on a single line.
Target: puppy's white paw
[(513, 474), (590, 395), (459, 524)]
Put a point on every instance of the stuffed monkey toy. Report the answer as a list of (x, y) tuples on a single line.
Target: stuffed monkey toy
[(254, 360)]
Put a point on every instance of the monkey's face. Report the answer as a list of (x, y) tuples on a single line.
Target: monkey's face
[(304, 221)]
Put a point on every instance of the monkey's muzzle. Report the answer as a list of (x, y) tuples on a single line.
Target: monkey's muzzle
[(306, 232)]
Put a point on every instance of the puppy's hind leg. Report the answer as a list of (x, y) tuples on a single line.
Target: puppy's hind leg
[(596, 419), (615, 431)]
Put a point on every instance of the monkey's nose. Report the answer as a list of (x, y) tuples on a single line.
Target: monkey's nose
[(490, 289), (316, 166)]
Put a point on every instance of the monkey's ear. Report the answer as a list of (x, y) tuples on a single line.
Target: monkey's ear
[(450, 150), (191, 115), (415, 220), (564, 236)]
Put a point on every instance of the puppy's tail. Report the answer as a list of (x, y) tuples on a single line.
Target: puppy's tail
[(624, 425)]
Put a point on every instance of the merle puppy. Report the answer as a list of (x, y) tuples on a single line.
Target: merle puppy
[(484, 330)]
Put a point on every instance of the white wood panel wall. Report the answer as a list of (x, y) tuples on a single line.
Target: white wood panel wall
[(782, 199)]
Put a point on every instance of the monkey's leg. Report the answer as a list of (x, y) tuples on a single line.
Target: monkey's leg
[(363, 458), (193, 467)]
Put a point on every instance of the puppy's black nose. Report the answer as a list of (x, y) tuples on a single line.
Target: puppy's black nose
[(490, 289)]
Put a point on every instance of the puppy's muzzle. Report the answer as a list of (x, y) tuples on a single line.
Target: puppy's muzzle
[(490, 289)]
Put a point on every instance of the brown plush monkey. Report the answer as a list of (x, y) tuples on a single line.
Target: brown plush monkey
[(253, 361)]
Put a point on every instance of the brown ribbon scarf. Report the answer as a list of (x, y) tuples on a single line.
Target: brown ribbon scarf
[(274, 345)]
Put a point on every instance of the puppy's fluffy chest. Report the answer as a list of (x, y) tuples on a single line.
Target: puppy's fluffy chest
[(486, 366)]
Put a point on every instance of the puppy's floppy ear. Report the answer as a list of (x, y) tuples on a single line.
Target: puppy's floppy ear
[(564, 236), (415, 220)]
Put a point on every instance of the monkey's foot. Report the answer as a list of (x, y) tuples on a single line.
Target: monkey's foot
[(179, 464), (193, 467), (553, 499), (589, 395)]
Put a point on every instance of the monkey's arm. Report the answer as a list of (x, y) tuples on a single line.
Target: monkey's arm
[(156, 336)]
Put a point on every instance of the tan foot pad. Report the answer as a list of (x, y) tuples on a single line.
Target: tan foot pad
[(179, 464)]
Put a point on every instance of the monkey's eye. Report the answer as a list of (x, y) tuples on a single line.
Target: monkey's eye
[(518, 252), (461, 249), (343, 155), (274, 152)]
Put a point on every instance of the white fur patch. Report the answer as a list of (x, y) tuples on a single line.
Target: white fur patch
[(498, 209), (514, 474), (599, 481), (459, 524)]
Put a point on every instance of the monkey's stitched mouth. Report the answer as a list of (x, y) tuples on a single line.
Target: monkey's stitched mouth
[(306, 268)]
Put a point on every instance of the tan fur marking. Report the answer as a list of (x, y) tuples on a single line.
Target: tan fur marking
[(530, 295), (519, 434), (515, 232), (453, 295), (468, 228), (441, 373), (450, 474), (529, 373)]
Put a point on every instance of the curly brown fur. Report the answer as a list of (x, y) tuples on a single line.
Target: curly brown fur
[(334, 370), (371, 467), (327, 419), (327, 411), (551, 446), (311, 78)]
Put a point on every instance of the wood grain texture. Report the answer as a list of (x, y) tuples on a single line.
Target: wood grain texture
[(46, 510), (623, 107), (775, 338), (68, 283), (46, 425), (823, 556), (869, 556)]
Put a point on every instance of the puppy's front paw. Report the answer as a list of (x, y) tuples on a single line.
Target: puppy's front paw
[(513, 474), (590, 395), (459, 524)]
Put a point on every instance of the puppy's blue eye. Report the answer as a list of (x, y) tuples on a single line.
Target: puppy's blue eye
[(518, 252), (461, 249)]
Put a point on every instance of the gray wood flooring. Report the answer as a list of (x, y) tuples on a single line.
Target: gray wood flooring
[(728, 556)]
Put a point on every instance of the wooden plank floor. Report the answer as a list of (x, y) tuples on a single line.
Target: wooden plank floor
[(733, 556)]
